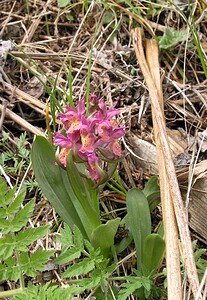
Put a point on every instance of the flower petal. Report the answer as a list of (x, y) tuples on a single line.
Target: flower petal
[(62, 140)]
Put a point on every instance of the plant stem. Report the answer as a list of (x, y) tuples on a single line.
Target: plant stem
[(12, 292), (21, 279)]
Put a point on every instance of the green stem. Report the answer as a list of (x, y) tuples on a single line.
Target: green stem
[(12, 292), (113, 188), (21, 279)]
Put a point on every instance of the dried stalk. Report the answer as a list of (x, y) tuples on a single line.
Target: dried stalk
[(21, 122), (170, 227), (180, 214)]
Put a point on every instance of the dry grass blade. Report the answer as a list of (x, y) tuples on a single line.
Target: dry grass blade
[(181, 217), (170, 226)]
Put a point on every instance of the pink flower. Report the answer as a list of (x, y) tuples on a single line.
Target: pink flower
[(103, 130), (87, 139), (90, 134), (72, 119), (93, 166), (115, 147)]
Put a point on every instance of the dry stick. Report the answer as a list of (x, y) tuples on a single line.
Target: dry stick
[(17, 119), (20, 94), (174, 287), (175, 191)]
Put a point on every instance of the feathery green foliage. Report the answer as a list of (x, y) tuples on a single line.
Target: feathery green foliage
[(45, 292), (15, 260), (92, 262)]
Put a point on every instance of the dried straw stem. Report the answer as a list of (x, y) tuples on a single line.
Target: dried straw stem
[(168, 176)]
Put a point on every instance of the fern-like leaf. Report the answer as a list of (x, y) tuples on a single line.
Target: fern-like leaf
[(129, 288), (22, 217), (65, 238), (7, 245), (8, 196), (78, 238), (68, 256), (15, 259), (15, 205), (92, 263), (39, 258), (45, 292), (9, 270), (83, 267), (3, 190), (75, 247), (29, 235)]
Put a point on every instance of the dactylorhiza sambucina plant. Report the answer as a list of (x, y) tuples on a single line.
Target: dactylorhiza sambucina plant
[(71, 176)]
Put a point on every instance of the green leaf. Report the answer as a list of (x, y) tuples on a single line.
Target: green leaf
[(19, 220), (29, 235), (103, 235), (129, 288), (22, 217), (81, 268), (7, 245), (54, 183), (15, 205), (68, 256), (9, 196), (172, 37), (153, 251), (65, 237), (152, 192), (3, 190), (44, 292), (9, 270), (75, 250), (63, 3), (78, 238), (81, 188), (37, 261), (139, 220)]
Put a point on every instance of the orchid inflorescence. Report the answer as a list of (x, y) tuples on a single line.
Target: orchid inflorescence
[(92, 134)]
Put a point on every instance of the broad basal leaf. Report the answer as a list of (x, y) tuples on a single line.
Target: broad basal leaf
[(153, 251), (80, 187), (139, 220), (56, 187), (103, 235), (152, 192)]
